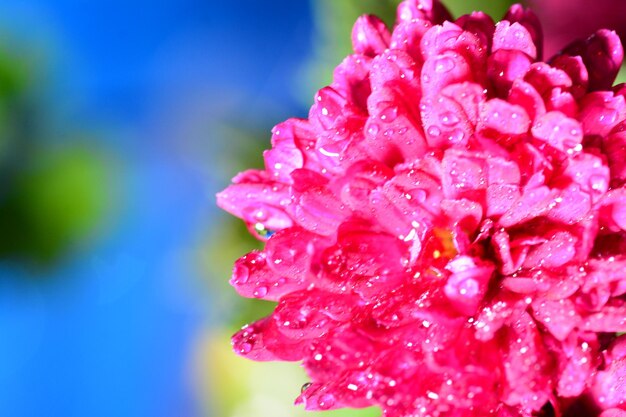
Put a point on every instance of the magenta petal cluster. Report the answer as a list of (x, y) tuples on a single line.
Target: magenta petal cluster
[(446, 233)]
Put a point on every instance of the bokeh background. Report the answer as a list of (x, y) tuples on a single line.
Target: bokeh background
[(119, 121)]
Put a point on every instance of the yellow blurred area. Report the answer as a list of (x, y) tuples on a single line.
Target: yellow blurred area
[(231, 386)]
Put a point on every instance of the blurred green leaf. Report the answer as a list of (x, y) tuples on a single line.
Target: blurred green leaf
[(495, 8), (621, 76), (55, 201), (332, 40), (17, 111)]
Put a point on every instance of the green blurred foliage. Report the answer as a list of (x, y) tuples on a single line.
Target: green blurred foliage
[(229, 238), (16, 112), (332, 42), (495, 8), (54, 201), (51, 197)]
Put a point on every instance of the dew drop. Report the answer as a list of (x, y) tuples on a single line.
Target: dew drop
[(456, 136), (262, 231), (305, 387), (373, 129), (444, 64), (449, 119), (389, 114), (419, 194), (260, 292), (326, 401), (434, 131), (598, 183), (245, 348)]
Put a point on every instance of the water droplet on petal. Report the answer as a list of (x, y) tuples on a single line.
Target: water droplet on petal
[(305, 386), (326, 401), (434, 131), (598, 183), (262, 231), (449, 119), (456, 136), (373, 129), (260, 292), (444, 64), (389, 114), (419, 195)]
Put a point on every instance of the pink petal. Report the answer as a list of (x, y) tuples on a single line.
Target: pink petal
[(601, 111), (559, 249), (407, 36), (504, 67), (480, 24), (558, 131), (545, 78), (256, 199), (611, 319), (359, 181), (500, 198), (602, 54), (464, 213), (526, 365), (569, 205), (284, 156), (298, 315), (442, 70), (445, 122), (590, 173), (513, 37), (523, 94), (500, 119), (577, 362), (461, 173), (253, 278), (529, 20), (609, 386), (559, 317), (261, 341), (614, 148), (370, 36), (613, 412), (431, 10), (533, 203), (467, 285), (351, 79), (451, 38), (575, 68), (469, 96)]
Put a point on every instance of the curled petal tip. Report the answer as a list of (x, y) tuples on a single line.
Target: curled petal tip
[(602, 54), (370, 36)]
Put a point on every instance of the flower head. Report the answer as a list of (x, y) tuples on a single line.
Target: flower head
[(446, 231)]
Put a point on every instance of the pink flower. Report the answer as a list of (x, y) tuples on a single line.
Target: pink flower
[(446, 232)]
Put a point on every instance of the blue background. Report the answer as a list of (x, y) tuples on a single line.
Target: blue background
[(110, 332)]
